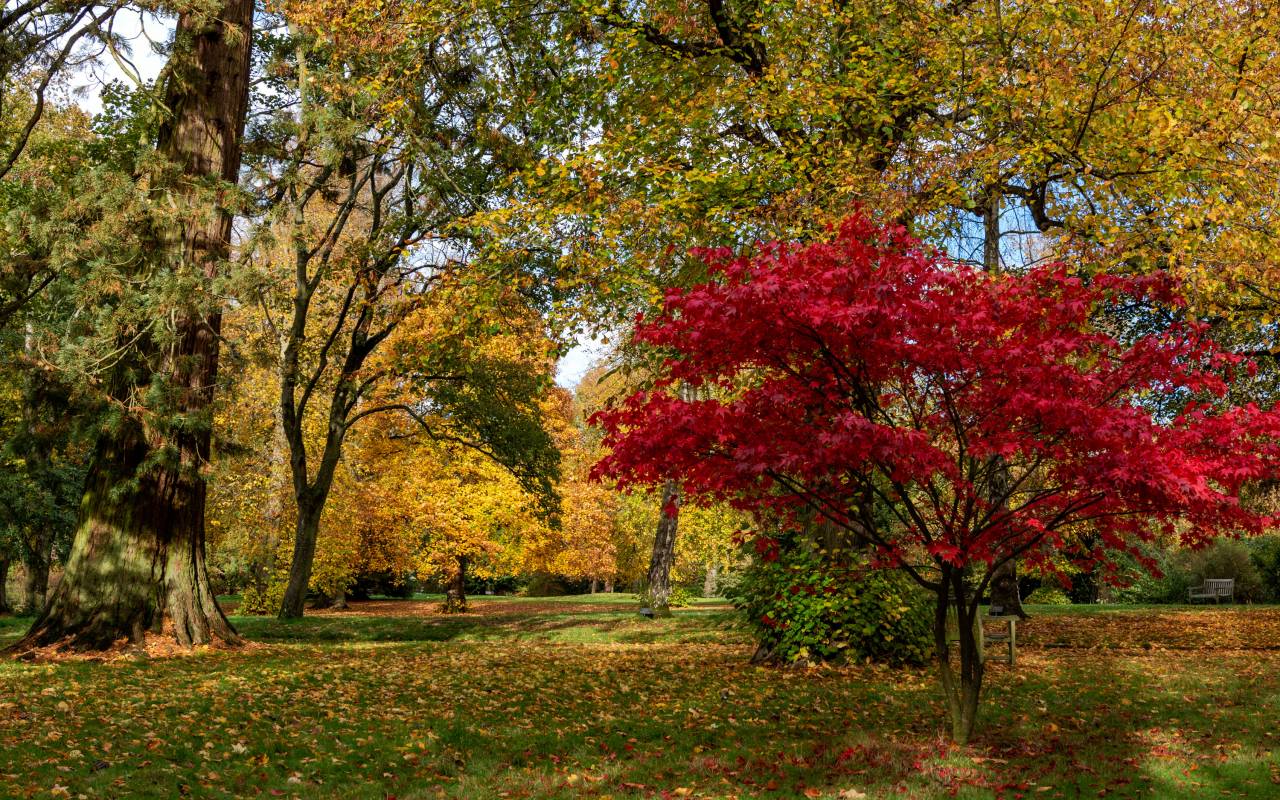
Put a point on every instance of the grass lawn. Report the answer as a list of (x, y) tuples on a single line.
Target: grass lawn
[(583, 698)]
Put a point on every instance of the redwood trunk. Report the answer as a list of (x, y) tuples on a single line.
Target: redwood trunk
[(209, 99), (138, 552), (111, 586), (664, 550)]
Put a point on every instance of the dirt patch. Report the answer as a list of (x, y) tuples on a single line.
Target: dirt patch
[(1200, 629)]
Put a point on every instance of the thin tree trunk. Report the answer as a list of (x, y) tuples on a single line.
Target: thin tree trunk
[(39, 540), (5, 608), (710, 581), (138, 552), (963, 688), (1004, 582), (991, 232), (595, 585), (608, 585), (35, 588), (455, 595), (664, 550), (263, 565)]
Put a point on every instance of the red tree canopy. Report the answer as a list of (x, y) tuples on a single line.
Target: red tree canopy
[(932, 408)]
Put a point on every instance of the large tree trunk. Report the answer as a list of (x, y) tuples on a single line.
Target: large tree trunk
[(306, 531), (455, 594), (1004, 591), (111, 586), (138, 552), (664, 550), (208, 95)]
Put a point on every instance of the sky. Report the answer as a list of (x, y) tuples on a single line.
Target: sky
[(580, 358), (141, 62)]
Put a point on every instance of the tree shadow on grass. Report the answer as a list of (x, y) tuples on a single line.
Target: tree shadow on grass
[(582, 627), (1162, 724)]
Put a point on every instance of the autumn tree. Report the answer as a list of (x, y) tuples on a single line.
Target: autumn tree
[(383, 150), (1007, 132), (868, 379)]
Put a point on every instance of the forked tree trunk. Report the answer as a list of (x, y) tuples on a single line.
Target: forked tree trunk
[(455, 594), (664, 550), (961, 677), (138, 553)]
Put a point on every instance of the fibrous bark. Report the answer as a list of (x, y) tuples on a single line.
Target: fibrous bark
[(138, 552)]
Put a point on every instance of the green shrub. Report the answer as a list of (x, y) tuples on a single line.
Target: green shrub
[(1048, 596), (807, 608), (1265, 553), (1170, 586), (262, 601), (681, 597), (1249, 565), (1228, 558)]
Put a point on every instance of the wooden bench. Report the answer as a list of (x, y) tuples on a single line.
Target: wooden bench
[(1215, 589), (984, 635), (1008, 636)]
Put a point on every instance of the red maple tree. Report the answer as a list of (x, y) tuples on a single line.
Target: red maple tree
[(988, 418)]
